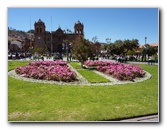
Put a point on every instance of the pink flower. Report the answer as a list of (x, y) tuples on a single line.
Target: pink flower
[(117, 70), (48, 70)]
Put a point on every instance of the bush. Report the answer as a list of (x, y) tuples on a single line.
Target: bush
[(117, 70), (47, 70)]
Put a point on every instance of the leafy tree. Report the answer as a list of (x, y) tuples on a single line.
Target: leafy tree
[(97, 48), (119, 48), (82, 49), (130, 45), (112, 49), (122, 47), (31, 31), (152, 50), (148, 50), (130, 52), (95, 39), (108, 40), (40, 50), (104, 46)]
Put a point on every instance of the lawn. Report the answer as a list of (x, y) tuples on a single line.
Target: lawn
[(76, 65), (91, 76), (14, 64), (29, 101)]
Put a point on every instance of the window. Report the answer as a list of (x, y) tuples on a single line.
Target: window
[(40, 30)]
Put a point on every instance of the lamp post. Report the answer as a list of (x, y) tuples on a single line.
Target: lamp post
[(70, 51), (67, 47), (145, 40)]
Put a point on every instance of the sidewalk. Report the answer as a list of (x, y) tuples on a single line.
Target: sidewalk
[(65, 59), (131, 62), (151, 118)]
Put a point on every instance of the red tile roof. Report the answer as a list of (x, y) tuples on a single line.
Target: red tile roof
[(154, 44), (151, 44)]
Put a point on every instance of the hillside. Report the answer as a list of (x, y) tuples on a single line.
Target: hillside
[(14, 34)]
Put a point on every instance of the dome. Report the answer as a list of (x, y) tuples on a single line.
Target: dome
[(78, 23), (39, 22)]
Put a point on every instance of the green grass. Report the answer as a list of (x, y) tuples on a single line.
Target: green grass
[(14, 64), (76, 65), (29, 101), (92, 77)]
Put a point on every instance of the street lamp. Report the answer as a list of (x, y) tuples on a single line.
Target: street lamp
[(66, 47), (145, 40), (70, 51)]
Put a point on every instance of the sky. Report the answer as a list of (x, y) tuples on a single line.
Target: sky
[(112, 23)]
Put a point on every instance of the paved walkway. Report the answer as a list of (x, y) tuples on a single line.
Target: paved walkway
[(131, 62), (150, 118), (65, 59)]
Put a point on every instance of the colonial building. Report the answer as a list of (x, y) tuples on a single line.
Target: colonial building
[(55, 41)]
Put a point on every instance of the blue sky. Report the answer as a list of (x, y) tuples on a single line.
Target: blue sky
[(114, 23)]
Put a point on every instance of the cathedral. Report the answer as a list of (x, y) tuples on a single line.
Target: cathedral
[(55, 41)]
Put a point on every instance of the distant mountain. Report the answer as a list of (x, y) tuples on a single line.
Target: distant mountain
[(14, 34)]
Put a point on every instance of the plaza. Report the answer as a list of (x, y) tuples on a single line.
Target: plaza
[(59, 75)]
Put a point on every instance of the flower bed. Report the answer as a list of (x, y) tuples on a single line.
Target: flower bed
[(117, 70), (98, 63), (47, 70)]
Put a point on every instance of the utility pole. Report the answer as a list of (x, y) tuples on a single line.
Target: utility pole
[(30, 36), (51, 36)]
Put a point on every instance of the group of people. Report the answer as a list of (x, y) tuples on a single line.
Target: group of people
[(122, 59), (16, 55)]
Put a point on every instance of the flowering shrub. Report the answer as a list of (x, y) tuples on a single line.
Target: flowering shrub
[(47, 70), (98, 63), (117, 70)]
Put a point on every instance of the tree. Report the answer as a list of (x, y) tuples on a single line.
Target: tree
[(40, 50), (151, 50), (130, 52), (108, 40), (122, 47), (148, 50), (31, 31), (94, 39), (130, 45), (112, 49), (119, 48), (82, 49), (97, 46)]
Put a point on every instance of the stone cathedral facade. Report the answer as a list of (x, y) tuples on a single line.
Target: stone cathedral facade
[(54, 41)]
